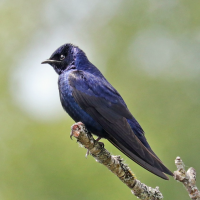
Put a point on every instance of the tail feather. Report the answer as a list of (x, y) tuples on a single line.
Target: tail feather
[(159, 169)]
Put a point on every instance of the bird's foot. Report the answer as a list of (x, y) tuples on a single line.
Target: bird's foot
[(101, 143)]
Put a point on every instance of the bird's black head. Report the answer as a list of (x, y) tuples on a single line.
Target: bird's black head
[(63, 57)]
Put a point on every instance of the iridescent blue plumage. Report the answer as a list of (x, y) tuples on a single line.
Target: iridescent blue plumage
[(88, 97)]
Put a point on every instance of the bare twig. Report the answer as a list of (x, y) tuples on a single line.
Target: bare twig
[(114, 164), (187, 178)]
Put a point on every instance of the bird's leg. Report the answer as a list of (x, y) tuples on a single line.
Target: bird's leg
[(98, 139)]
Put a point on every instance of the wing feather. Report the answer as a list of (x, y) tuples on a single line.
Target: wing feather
[(110, 111)]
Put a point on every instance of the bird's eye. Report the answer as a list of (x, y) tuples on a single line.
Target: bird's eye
[(62, 57)]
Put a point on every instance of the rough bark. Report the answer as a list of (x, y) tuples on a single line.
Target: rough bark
[(188, 178), (114, 164)]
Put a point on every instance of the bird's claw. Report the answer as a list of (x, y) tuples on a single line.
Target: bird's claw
[(87, 153), (102, 144), (71, 134)]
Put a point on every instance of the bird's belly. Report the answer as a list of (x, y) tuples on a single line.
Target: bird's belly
[(77, 113)]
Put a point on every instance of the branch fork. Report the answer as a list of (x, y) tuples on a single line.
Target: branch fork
[(188, 178)]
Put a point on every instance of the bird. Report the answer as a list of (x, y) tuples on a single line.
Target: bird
[(88, 97)]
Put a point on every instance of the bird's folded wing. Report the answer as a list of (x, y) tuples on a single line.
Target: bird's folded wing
[(105, 105)]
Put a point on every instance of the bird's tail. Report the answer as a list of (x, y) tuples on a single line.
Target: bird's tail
[(158, 169)]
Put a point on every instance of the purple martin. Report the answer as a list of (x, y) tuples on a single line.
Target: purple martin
[(88, 97)]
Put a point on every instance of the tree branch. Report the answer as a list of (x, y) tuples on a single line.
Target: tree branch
[(114, 164), (187, 178)]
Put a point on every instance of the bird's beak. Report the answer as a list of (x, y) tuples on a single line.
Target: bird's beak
[(50, 61)]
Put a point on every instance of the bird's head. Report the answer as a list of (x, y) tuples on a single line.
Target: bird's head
[(63, 58)]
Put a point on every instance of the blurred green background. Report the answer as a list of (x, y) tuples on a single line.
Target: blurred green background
[(150, 52)]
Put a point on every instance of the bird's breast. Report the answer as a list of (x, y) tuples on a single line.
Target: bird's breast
[(73, 109)]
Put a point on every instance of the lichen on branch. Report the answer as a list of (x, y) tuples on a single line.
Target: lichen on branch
[(188, 178), (113, 163)]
